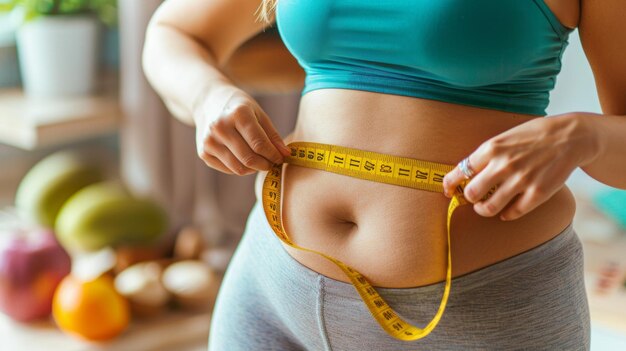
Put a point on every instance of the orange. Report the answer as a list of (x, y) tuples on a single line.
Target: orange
[(92, 309)]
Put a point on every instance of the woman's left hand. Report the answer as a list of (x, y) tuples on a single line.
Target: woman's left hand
[(528, 163)]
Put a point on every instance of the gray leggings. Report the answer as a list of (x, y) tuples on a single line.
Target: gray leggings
[(269, 301)]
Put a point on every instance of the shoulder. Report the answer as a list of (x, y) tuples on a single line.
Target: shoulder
[(220, 25)]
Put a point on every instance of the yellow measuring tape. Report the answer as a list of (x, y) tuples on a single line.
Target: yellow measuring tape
[(380, 168)]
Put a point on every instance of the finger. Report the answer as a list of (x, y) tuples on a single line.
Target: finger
[(452, 180), (224, 154), (213, 162), (272, 134), (479, 186), (240, 148), (499, 199), (527, 202), (455, 177), (257, 140)]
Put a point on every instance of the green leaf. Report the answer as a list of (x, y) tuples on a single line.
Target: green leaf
[(105, 10)]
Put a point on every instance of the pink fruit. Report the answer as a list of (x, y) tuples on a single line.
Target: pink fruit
[(32, 263)]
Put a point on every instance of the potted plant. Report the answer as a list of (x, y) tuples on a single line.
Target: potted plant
[(9, 69), (57, 43)]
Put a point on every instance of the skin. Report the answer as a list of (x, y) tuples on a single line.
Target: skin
[(195, 52)]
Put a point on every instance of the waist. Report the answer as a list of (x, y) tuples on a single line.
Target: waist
[(399, 125), (404, 229)]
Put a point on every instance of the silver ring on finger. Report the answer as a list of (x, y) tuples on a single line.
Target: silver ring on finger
[(466, 168)]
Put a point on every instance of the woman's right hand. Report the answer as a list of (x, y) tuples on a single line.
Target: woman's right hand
[(233, 134)]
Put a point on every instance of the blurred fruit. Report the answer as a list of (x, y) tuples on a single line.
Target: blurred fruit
[(141, 285), (92, 309), (32, 263), (90, 265), (218, 258), (104, 214), (193, 284), (127, 256), (46, 186), (189, 244)]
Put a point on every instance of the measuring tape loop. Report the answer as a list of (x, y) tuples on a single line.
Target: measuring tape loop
[(380, 168)]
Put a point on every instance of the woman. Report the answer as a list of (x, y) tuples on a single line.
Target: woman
[(435, 81)]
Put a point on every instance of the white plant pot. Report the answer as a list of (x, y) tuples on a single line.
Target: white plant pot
[(9, 70), (58, 55)]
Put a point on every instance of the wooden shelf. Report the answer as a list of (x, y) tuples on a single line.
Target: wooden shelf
[(30, 123)]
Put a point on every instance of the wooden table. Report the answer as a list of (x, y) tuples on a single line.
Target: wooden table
[(180, 331)]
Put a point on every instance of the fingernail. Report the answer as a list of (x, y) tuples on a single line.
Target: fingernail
[(285, 150), (503, 218)]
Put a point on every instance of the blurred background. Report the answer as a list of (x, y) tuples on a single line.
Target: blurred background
[(103, 201)]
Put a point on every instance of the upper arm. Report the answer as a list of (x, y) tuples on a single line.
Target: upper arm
[(602, 32), (221, 26)]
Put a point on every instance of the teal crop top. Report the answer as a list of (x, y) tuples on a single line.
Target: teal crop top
[(498, 54)]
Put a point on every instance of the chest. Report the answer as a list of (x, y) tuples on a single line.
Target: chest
[(464, 42)]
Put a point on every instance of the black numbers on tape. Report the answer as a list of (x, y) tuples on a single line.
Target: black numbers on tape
[(438, 177), (320, 156), (369, 166), (421, 175), (388, 315), (404, 172), (379, 303), (397, 326), (273, 195), (274, 184), (275, 218), (361, 279), (385, 168), (293, 151), (370, 291), (273, 206), (301, 153), (310, 154), (338, 159), (355, 163), (275, 173)]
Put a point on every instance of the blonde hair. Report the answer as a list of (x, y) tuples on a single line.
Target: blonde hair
[(266, 11)]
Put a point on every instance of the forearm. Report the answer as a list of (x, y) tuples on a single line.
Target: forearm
[(180, 69), (608, 134)]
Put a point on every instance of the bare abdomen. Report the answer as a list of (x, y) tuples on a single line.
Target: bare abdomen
[(393, 235)]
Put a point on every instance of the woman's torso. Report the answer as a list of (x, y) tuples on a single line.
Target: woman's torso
[(396, 236)]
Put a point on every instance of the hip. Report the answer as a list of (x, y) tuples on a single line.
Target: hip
[(535, 300)]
